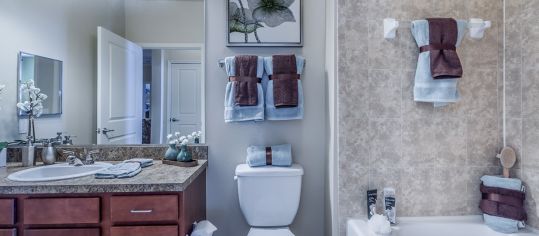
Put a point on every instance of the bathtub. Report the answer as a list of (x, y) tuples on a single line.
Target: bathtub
[(435, 226)]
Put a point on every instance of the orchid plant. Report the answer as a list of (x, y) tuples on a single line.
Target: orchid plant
[(179, 140), (33, 106), (196, 136)]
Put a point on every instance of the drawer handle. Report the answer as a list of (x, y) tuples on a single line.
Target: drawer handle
[(141, 211)]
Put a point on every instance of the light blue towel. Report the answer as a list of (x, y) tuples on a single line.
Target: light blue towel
[(501, 182), (440, 92), (235, 113), (288, 113), (121, 170), (144, 162), (281, 155), (496, 223)]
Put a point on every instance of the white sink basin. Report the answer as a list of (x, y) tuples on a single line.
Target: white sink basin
[(57, 172)]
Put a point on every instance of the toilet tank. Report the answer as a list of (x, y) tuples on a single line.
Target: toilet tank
[(269, 195)]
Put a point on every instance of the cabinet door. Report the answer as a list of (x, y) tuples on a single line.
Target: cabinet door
[(145, 231), (7, 211), (8, 232), (41, 211), (62, 232)]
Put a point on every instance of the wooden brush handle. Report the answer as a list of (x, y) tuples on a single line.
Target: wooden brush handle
[(506, 172)]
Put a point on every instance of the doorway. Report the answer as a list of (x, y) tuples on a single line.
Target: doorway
[(173, 91)]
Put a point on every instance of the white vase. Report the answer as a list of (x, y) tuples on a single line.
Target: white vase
[(3, 157)]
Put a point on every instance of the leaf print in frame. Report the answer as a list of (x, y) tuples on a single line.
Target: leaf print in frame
[(263, 23)]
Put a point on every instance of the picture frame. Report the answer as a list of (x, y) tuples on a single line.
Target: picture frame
[(270, 25)]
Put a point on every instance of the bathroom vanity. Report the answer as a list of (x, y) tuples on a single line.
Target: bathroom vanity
[(162, 200)]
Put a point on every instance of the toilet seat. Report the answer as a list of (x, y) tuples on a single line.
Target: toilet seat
[(270, 232)]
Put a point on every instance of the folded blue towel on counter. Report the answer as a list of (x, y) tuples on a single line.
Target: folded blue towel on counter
[(497, 223), (234, 112), (440, 92), (121, 170), (288, 113), (281, 155), (144, 162)]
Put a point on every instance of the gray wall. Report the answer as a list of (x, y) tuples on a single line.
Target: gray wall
[(228, 142), (433, 157), (164, 21), (65, 30), (522, 101)]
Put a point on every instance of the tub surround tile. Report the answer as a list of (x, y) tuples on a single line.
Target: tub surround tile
[(513, 87), (418, 143), (530, 149), (385, 93), (387, 139), (450, 138), (482, 142), (382, 54), (354, 146)]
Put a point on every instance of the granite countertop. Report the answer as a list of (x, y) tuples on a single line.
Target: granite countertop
[(156, 178)]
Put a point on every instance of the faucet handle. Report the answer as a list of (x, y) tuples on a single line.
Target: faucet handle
[(70, 153)]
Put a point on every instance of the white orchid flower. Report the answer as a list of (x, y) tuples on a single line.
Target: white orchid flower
[(169, 136), (189, 137), (185, 142)]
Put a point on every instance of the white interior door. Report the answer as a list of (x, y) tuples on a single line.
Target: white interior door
[(119, 89), (184, 98)]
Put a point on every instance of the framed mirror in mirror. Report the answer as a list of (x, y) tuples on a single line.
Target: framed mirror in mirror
[(47, 76)]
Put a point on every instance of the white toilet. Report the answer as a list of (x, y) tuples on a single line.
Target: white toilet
[(269, 197)]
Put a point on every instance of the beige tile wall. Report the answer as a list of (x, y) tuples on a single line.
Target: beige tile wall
[(433, 157), (522, 91)]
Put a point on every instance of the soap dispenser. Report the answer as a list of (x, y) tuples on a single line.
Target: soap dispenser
[(28, 153), (48, 154)]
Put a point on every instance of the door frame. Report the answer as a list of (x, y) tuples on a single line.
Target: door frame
[(169, 79), (164, 99)]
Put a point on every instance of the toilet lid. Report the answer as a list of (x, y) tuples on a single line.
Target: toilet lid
[(270, 232)]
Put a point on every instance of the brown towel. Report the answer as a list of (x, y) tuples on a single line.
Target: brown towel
[(502, 202), (245, 80), (444, 61), (285, 81), (503, 210)]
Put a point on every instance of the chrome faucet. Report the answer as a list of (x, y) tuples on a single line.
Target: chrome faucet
[(73, 160), (90, 158)]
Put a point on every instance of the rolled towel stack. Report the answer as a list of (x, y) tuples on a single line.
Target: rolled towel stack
[(279, 155), (502, 203)]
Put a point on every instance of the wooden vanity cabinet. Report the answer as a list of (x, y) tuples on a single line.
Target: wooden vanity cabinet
[(104, 214)]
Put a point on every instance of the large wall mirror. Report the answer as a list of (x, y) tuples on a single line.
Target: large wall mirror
[(130, 72), (47, 76)]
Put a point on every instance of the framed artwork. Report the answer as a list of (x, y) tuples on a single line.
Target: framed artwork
[(264, 23)]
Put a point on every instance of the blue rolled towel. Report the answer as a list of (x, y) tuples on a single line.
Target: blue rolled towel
[(281, 155), (500, 224)]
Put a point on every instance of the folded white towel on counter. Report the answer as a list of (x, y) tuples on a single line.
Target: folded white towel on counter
[(121, 170), (144, 162)]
